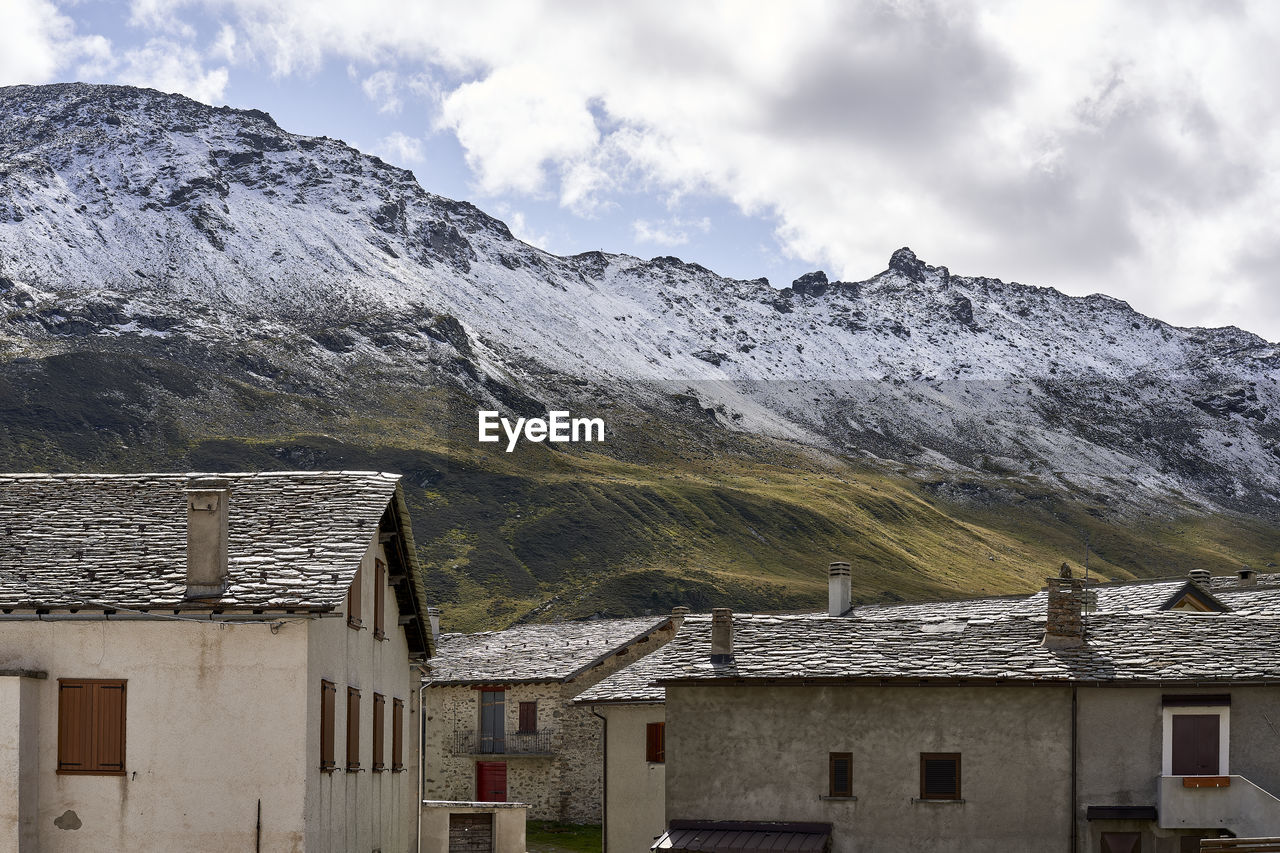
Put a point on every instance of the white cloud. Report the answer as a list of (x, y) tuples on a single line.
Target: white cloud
[(401, 150), (381, 88), (674, 232), (37, 43), (171, 67)]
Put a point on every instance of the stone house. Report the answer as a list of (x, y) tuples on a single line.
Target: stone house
[(208, 662), (501, 722), (1136, 717)]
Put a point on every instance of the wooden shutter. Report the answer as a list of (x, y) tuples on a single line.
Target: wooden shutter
[(379, 599), (840, 774), (379, 711), (528, 717), (1195, 744), (397, 734), (655, 747), (353, 601), (328, 701), (353, 729), (939, 775), (91, 726)]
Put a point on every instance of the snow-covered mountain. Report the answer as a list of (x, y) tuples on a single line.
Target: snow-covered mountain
[(134, 218)]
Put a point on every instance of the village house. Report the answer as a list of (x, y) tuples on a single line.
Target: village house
[(1118, 718), (501, 722), (208, 663)]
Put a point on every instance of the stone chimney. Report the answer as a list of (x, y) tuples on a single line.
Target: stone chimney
[(433, 617), (207, 499), (1200, 577), (838, 579), (1247, 577), (1064, 627), (677, 616), (721, 636)]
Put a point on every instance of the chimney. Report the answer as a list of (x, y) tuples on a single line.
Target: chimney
[(1248, 577), (838, 578), (433, 616), (207, 499), (1064, 627), (677, 616), (1200, 577), (721, 636)]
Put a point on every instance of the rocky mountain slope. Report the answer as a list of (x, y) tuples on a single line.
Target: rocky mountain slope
[(173, 274)]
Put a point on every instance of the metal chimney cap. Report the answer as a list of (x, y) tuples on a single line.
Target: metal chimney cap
[(838, 568)]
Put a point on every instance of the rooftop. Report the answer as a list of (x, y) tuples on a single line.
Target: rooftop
[(535, 653)]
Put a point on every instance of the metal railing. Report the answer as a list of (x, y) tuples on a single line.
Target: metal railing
[(515, 743)]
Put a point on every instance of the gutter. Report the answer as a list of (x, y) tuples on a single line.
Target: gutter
[(159, 617), (604, 782)]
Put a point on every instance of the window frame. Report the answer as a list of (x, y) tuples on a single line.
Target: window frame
[(925, 757), (353, 729), (90, 726), (1223, 712), (379, 731), (655, 742), (832, 758), (397, 735)]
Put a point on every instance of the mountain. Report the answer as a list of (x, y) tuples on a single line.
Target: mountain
[(186, 286)]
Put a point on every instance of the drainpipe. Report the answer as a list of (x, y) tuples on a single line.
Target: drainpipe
[(422, 759), (1075, 822), (604, 786)]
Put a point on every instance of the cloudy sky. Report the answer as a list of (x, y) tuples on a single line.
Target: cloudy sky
[(1126, 148)]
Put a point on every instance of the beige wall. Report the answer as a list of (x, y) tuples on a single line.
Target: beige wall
[(363, 810), (761, 753), (19, 727), (635, 788), (508, 825)]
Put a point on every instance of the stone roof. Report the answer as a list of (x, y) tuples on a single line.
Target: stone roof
[(1130, 639), (534, 653), (295, 539)]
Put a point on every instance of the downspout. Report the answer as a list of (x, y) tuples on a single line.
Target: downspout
[(422, 760), (604, 786), (1075, 823)]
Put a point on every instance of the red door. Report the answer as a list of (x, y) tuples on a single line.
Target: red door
[(491, 781)]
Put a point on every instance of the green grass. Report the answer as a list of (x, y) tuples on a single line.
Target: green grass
[(544, 836)]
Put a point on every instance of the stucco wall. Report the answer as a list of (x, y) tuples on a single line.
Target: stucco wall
[(361, 810), (19, 728), (635, 788), (761, 753), (214, 722)]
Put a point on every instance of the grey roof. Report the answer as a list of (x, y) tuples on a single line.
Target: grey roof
[(119, 540), (1129, 640), (534, 653)]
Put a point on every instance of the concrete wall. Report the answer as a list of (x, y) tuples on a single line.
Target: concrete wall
[(19, 739), (214, 723), (635, 789), (761, 753), (362, 810)]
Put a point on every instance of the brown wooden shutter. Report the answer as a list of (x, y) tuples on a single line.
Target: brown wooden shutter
[(655, 748), (108, 721), (353, 729), (528, 717), (1195, 744), (91, 726), (379, 711), (840, 774), (328, 701), (397, 734), (939, 775), (74, 716), (353, 601), (379, 599)]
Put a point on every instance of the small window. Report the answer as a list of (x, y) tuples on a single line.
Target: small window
[(1125, 842), (379, 599), (397, 734), (379, 711), (656, 743), (939, 775), (353, 602), (328, 701), (528, 717), (840, 773), (91, 725), (353, 729)]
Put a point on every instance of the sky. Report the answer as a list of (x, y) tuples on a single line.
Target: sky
[(1131, 149)]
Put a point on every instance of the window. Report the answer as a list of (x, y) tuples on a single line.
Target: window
[(91, 726), (397, 734), (379, 599), (353, 729), (655, 746), (939, 775), (1124, 842), (493, 737), (1196, 734), (328, 700), (379, 711), (353, 601), (840, 774), (528, 717)]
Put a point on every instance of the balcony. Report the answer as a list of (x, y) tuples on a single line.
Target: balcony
[(516, 744), (1229, 802)]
